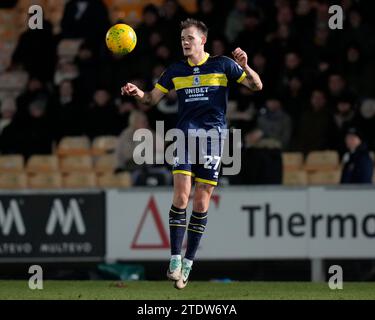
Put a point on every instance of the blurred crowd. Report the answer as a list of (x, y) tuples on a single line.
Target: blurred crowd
[(318, 82)]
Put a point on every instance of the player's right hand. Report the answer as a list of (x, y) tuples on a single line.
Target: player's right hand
[(129, 89)]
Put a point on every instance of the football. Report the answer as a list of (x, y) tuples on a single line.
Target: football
[(121, 39)]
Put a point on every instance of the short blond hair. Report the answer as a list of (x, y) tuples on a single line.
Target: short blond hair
[(195, 23)]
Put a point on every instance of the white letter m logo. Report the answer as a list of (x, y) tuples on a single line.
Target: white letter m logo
[(12, 215), (65, 220)]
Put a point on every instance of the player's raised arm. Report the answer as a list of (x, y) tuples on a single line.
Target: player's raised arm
[(150, 98), (252, 79)]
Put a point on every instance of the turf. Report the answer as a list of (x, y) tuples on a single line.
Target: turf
[(149, 290)]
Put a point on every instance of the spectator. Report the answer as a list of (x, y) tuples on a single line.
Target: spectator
[(102, 116), (146, 108), (8, 110), (125, 106), (116, 69), (65, 71), (313, 129), (343, 118), (358, 165), (36, 52), (219, 46), (35, 89), (172, 15), (235, 20), (241, 112), (261, 160), (337, 88), (208, 12), (161, 50), (252, 29), (366, 120), (275, 123), (88, 73), (294, 100), (162, 54), (151, 31), (322, 47), (262, 66), (67, 113), (354, 69), (284, 15), (166, 110), (305, 20), (31, 134), (150, 23), (86, 19), (128, 155), (293, 68), (279, 43), (359, 31)]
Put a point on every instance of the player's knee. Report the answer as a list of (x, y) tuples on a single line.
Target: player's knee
[(180, 200), (200, 204)]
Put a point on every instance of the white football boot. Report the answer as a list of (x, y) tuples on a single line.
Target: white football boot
[(182, 282), (174, 269)]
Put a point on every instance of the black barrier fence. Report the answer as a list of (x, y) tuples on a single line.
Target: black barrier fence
[(55, 227)]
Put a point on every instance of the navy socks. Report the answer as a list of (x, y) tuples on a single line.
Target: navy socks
[(196, 228), (177, 226)]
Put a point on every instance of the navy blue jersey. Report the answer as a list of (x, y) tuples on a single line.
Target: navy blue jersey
[(202, 90)]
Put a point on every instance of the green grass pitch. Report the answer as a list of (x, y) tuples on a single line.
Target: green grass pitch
[(161, 290)]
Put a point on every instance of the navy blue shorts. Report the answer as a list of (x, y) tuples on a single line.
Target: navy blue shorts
[(203, 164)]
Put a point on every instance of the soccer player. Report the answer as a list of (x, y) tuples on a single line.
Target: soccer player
[(201, 83)]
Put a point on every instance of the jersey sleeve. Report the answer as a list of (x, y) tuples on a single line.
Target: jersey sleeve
[(233, 70), (165, 83)]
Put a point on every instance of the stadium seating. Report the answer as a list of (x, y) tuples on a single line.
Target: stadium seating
[(74, 146), (104, 144), (54, 172), (76, 163), (12, 163), (110, 180), (295, 178), (13, 180), (42, 164), (105, 164), (322, 160), (324, 177), (80, 180), (292, 161), (45, 180)]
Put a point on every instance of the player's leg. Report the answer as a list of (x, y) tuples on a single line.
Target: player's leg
[(177, 222), (206, 178), (196, 228)]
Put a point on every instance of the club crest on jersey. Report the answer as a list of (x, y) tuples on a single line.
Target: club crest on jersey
[(196, 70), (196, 81), (176, 161)]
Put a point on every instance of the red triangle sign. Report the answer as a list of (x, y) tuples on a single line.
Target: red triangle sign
[(153, 209)]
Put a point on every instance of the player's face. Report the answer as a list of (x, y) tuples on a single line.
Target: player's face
[(192, 41)]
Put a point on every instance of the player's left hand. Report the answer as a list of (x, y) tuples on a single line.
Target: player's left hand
[(240, 57)]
